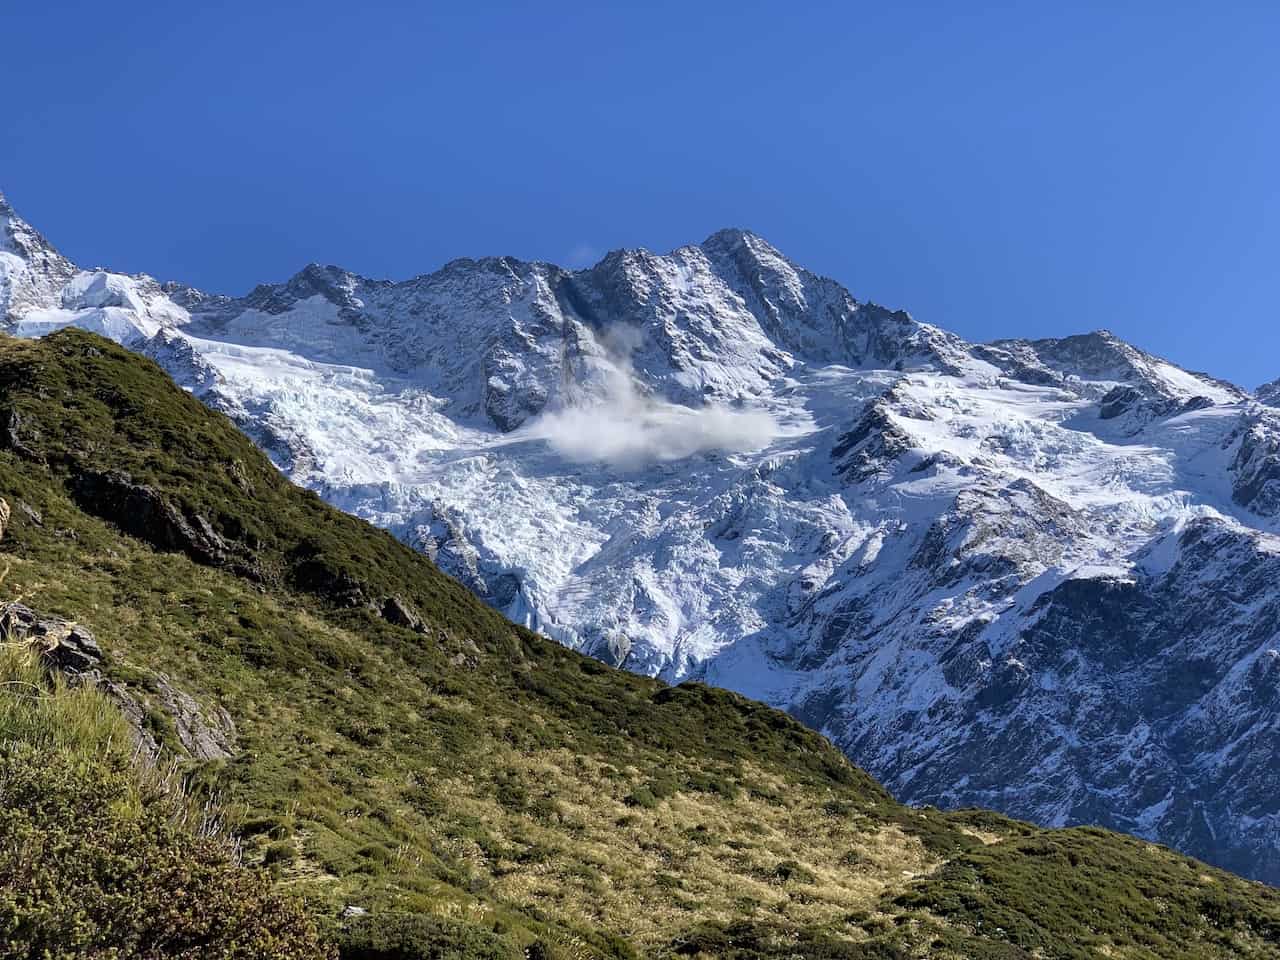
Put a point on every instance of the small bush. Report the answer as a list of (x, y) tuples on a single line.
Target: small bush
[(280, 853), (276, 828), (641, 797), (649, 795), (403, 936), (789, 871), (95, 856)]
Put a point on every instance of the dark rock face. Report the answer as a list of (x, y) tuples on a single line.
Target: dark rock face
[(512, 396), (31, 513), (1119, 401), (1256, 467), (314, 574), (444, 538), (396, 610), (15, 434), (62, 644), (1163, 689), (145, 513), (204, 734), (874, 442), (993, 533)]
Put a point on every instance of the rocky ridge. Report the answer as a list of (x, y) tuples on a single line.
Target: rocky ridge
[(1032, 575)]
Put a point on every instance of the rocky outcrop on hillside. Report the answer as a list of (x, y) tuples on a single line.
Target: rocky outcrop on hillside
[(1033, 574), (151, 705)]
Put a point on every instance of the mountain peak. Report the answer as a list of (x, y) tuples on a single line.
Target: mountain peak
[(331, 282), (41, 274), (1269, 393), (21, 237), (731, 235), (737, 242)]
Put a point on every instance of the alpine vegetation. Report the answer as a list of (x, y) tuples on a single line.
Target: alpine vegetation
[(1036, 576)]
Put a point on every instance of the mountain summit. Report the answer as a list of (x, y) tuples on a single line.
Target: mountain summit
[(1034, 575)]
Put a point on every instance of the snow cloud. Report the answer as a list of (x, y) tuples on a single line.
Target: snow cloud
[(627, 428)]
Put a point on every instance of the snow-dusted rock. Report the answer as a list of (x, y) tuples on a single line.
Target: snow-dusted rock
[(1041, 576), (32, 272)]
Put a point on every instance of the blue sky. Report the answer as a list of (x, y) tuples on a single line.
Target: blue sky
[(1028, 169)]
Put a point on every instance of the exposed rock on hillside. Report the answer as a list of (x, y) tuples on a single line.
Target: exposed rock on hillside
[(715, 464), (71, 649)]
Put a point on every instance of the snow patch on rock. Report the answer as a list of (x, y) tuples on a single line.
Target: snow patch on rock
[(1032, 575)]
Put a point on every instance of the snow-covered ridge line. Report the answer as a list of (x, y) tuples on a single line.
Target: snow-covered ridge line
[(1034, 575)]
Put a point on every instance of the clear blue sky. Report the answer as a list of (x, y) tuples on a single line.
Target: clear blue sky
[(1028, 169)]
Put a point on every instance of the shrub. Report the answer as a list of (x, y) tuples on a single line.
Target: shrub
[(789, 871), (280, 853), (641, 797), (96, 857), (405, 936)]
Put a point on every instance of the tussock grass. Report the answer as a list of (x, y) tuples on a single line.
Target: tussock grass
[(98, 857), (588, 852), (482, 790), (41, 711)]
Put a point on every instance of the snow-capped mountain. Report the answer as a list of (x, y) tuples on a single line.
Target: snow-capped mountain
[(1041, 576)]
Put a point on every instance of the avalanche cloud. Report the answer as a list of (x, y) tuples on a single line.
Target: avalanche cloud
[(1041, 576)]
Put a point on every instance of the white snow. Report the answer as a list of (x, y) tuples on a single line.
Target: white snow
[(649, 474)]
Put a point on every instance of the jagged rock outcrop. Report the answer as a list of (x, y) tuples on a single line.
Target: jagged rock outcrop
[(33, 516), (398, 611), (15, 434), (874, 442), (959, 561), (145, 513), (71, 649), (204, 734), (63, 644), (1255, 468)]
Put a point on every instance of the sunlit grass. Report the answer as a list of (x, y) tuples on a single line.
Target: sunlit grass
[(505, 791)]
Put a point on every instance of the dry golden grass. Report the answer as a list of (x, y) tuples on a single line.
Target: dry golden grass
[(487, 776), (988, 837), (646, 871)]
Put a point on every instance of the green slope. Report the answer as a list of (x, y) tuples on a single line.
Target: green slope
[(482, 791), (102, 858)]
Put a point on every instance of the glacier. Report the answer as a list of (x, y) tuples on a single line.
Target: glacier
[(1039, 576)]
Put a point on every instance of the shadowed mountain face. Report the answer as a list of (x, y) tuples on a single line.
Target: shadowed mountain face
[(433, 779), (1039, 576)]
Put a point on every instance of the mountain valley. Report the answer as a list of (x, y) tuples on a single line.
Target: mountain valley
[(1033, 576)]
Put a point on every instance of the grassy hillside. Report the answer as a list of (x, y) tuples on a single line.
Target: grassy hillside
[(101, 857), (483, 792)]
